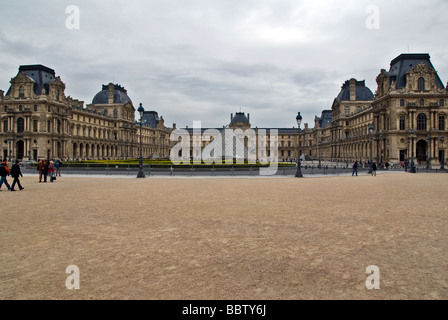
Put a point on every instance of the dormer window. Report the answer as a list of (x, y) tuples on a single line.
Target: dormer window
[(421, 84), (21, 92)]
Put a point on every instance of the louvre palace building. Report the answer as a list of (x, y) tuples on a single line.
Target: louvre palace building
[(39, 122), (404, 119)]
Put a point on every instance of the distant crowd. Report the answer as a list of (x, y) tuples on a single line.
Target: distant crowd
[(49, 168)]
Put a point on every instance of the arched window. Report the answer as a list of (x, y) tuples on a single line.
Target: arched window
[(57, 95), (21, 92), (347, 111), (421, 121), (421, 84), (115, 113), (105, 112), (20, 125)]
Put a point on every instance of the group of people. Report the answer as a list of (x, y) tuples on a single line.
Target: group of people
[(14, 172), (355, 169), (49, 168)]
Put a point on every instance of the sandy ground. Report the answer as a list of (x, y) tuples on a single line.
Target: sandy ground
[(241, 238)]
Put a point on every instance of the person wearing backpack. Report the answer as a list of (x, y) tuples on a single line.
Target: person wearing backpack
[(16, 173), (4, 172)]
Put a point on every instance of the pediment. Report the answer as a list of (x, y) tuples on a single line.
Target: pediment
[(21, 78), (421, 69)]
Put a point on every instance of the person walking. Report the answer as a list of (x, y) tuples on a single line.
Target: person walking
[(355, 169), (374, 169), (40, 167), (51, 170), (58, 165), (45, 170), (16, 173), (4, 172)]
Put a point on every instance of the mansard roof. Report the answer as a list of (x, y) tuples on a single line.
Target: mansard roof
[(41, 75), (120, 95), (363, 93), (405, 62)]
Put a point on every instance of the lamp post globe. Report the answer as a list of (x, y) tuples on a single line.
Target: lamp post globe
[(141, 174), (371, 147), (299, 169)]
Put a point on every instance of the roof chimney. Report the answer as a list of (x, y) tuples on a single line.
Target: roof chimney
[(110, 99), (352, 89)]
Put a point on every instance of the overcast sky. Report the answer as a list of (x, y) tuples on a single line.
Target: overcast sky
[(201, 60)]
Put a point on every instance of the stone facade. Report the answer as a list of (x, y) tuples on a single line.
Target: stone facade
[(39, 122)]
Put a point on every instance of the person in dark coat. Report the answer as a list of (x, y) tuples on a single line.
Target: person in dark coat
[(16, 173), (374, 169), (45, 170), (355, 169)]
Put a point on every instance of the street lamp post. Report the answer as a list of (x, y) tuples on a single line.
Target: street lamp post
[(141, 174), (371, 147), (318, 146), (443, 153), (299, 169), (382, 148), (10, 151), (412, 152)]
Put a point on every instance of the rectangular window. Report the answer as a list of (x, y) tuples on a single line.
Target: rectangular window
[(402, 123), (34, 125), (5, 126), (35, 107), (441, 122)]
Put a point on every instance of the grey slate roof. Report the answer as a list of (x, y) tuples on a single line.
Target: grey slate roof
[(240, 117), (40, 74), (404, 62), (151, 118), (362, 92), (326, 118), (120, 95)]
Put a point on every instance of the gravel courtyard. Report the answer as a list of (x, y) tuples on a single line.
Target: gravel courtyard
[(226, 238)]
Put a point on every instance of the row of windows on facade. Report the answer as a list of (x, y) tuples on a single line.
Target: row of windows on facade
[(422, 103), (422, 125), (402, 104), (105, 112)]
